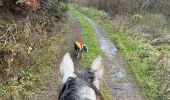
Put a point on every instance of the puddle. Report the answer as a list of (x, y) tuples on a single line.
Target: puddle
[(106, 45)]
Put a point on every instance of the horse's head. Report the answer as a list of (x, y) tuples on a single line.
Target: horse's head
[(81, 85)]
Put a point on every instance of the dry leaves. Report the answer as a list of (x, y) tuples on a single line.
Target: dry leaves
[(33, 4)]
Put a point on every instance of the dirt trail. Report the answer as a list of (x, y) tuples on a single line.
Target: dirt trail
[(120, 81)]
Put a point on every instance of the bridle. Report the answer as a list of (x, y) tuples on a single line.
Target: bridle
[(65, 89)]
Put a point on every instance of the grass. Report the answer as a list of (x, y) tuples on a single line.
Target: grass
[(104, 87), (89, 39), (140, 56)]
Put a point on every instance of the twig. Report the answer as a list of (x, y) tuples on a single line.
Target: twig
[(4, 45), (144, 4), (5, 34)]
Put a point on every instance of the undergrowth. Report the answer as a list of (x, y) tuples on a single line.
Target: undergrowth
[(29, 53)]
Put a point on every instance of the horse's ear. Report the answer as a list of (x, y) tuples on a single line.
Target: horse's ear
[(66, 68), (97, 68)]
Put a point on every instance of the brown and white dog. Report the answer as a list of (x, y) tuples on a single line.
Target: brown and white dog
[(79, 48)]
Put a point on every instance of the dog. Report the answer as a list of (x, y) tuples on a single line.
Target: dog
[(79, 48), (80, 85)]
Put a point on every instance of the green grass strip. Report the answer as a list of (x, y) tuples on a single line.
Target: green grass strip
[(88, 38)]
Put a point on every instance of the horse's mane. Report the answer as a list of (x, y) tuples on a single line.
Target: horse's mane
[(69, 90)]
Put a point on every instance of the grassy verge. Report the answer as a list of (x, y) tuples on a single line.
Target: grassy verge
[(105, 91), (141, 57)]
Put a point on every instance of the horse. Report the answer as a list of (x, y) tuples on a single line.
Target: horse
[(82, 84)]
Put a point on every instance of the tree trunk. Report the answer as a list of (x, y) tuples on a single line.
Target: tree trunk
[(1, 3)]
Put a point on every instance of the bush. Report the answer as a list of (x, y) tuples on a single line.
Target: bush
[(24, 7), (57, 10), (21, 6)]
